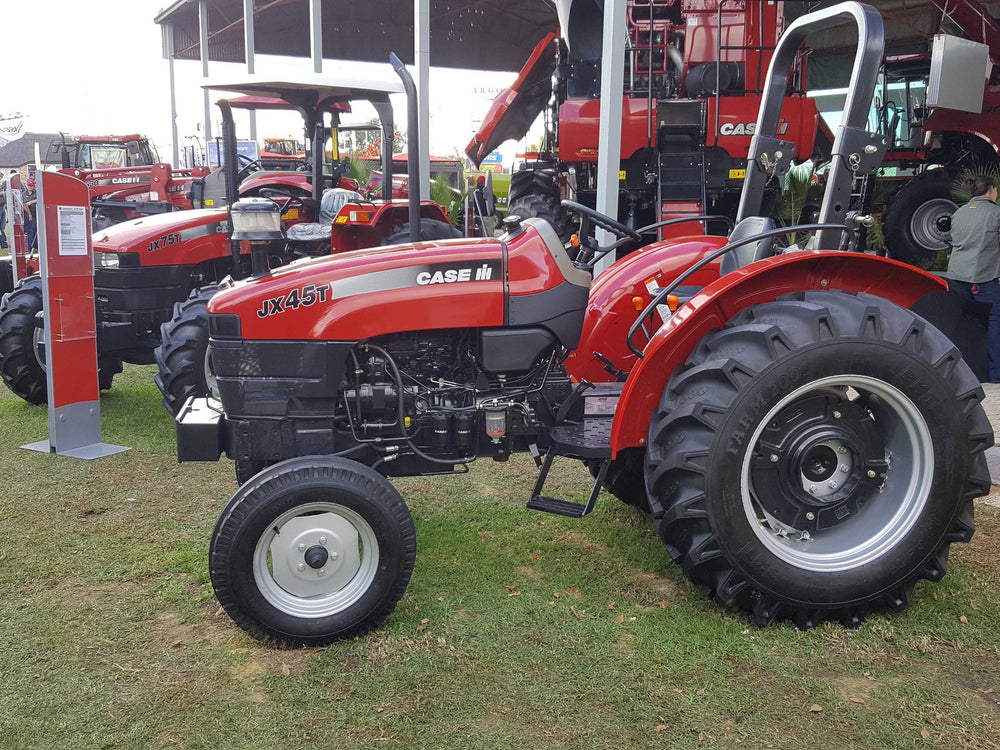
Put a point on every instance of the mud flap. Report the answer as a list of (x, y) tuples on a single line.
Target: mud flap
[(965, 323)]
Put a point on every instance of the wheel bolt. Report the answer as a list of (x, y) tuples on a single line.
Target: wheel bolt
[(302, 567), (810, 516), (836, 415), (302, 548), (812, 488), (831, 484), (320, 572), (871, 474), (334, 556), (774, 458), (842, 449), (844, 469), (322, 540)]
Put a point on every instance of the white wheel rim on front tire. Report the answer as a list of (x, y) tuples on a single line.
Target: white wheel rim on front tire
[(294, 586)]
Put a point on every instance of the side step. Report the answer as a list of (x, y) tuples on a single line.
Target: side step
[(591, 438)]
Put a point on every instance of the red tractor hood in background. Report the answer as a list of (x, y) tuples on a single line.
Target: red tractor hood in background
[(515, 108)]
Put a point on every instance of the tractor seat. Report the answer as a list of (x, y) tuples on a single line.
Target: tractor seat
[(333, 200), (752, 251)]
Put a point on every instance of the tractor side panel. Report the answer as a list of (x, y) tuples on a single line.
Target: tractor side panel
[(171, 239), (359, 295), (757, 283), (630, 284)]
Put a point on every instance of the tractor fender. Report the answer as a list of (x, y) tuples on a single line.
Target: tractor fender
[(754, 284)]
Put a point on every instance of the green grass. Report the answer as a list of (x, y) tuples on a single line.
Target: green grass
[(519, 630)]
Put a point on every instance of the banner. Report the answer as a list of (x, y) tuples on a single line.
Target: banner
[(12, 128)]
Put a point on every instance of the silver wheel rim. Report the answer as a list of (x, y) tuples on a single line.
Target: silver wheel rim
[(926, 223), (284, 560), (886, 518), (38, 346)]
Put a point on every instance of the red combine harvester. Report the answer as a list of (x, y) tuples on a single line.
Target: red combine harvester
[(805, 438), (693, 82)]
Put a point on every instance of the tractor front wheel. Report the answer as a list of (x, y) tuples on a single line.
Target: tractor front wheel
[(917, 221), (185, 367), (817, 457), (312, 550)]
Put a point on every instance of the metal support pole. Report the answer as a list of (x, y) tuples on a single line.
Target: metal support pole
[(203, 52), (609, 143), (422, 62), (316, 34), (248, 41), (168, 52)]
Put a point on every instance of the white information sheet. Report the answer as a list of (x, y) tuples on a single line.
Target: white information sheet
[(72, 230)]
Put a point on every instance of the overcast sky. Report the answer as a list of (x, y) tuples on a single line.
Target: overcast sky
[(96, 67)]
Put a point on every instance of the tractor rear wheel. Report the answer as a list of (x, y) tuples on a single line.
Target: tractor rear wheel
[(430, 229), (20, 367), (917, 222), (817, 457), (22, 345), (185, 367), (6, 275), (312, 550), (535, 194)]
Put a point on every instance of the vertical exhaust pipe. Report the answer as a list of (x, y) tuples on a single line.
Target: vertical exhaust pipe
[(412, 147)]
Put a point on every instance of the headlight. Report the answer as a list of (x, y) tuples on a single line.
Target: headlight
[(115, 260), (256, 219)]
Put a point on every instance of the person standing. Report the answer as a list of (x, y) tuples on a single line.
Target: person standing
[(974, 265), (3, 218), (30, 204)]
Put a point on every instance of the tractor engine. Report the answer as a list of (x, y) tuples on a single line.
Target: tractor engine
[(428, 397)]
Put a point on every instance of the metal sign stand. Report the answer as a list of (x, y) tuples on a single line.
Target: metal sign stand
[(70, 342)]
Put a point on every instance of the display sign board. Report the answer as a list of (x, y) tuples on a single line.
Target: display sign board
[(69, 349)]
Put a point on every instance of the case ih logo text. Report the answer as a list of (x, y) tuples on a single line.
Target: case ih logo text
[(747, 128), (307, 296), (454, 275), (163, 242)]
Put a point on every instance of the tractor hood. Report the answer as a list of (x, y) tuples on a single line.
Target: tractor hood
[(515, 108), (159, 231)]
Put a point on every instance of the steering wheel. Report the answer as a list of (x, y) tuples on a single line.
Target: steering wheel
[(590, 251), (284, 199), (247, 167)]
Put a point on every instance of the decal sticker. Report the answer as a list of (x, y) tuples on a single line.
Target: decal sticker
[(454, 273), (307, 296), (163, 242), (737, 174), (747, 128)]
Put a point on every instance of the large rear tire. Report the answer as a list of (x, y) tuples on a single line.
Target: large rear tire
[(430, 229), (312, 550), (535, 194), (185, 368), (624, 478), (917, 221), (817, 457)]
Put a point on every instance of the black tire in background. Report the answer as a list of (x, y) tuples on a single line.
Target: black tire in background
[(6, 275), (817, 457), (624, 478), (917, 220), (19, 365), (312, 550), (535, 194), (182, 356), (22, 362), (430, 229)]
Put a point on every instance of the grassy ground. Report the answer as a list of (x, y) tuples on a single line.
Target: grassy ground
[(519, 629)]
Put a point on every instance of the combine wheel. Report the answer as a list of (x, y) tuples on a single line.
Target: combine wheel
[(817, 457), (535, 194), (312, 550), (185, 368), (917, 221)]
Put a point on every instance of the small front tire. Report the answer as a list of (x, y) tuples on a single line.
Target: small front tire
[(312, 550)]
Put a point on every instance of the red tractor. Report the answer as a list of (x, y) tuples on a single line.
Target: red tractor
[(154, 275), (694, 72), (805, 438)]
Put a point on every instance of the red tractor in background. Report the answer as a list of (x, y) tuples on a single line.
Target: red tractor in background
[(154, 275), (694, 73), (806, 439)]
